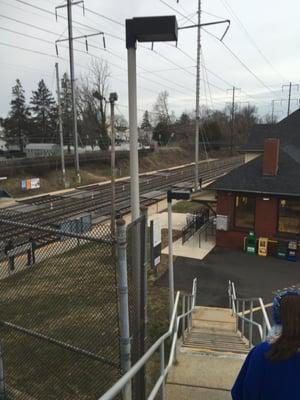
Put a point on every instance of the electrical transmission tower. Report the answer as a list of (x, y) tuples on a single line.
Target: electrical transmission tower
[(234, 89), (71, 39), (199, 25), (290, 87)]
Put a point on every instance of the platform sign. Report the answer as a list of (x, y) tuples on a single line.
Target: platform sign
[(28, 184), (35, 183), (222, 223), (263, 246), (155, 242)]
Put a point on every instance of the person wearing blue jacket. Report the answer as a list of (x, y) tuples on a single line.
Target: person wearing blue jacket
[(271, 370)]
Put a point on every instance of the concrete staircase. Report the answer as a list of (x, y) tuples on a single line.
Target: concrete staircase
[(209, 359)]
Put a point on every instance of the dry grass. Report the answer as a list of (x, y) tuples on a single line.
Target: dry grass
[(97, 172)]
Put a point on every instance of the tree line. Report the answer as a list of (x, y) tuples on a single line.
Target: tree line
[(216, 127), (36, 121)]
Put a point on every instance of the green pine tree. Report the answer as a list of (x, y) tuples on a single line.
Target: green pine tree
[(146, 121), (16, 125), (44, 112)]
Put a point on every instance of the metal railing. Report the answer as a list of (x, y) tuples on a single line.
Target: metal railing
[(188, 304), (243, 307)]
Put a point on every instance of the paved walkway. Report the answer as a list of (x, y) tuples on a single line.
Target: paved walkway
[(191, 249), (254, 276), (209, 359)]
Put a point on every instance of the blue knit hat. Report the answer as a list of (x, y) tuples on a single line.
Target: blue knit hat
[(292, 291)]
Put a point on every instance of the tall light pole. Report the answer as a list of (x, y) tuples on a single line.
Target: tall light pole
[(144, 29), (61, 139), (113, 97)]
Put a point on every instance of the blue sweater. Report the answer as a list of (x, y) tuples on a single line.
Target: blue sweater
[(261, 379)]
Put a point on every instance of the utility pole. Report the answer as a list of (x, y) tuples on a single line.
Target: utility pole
[(289, 101), (60, 124), (198, 99), (73, 94), (234, 89), (290, 86), (197, 130), (71, 39), (112, 98)]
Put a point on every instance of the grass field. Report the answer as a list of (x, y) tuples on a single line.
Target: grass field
[(70, 297)]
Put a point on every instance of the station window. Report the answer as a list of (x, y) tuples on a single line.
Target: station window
[(244, 212), (289, 216)]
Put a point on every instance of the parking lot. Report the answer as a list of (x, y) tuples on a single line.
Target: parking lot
[(253, 276)]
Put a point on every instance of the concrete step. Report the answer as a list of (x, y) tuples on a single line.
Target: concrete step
[(216, 371), (219, 319), (181, 392)]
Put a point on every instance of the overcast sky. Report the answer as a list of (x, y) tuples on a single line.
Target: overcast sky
[(266, 38)]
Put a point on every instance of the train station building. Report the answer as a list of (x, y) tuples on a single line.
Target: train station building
[(263, 195)]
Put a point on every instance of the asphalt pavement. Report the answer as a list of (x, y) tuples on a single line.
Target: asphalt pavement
[(253, 276)]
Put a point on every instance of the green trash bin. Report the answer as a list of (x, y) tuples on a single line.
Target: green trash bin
[(282, 249), (251, 243)]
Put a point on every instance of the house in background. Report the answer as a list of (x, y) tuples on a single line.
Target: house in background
[(261, 196), (3, 147), (33, 150)]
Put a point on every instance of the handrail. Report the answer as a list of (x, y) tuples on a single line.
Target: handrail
[(172, 332), (234, 304)]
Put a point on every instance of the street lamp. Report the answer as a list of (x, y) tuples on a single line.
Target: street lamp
[(173, 195), (142, 29), (113, 97)]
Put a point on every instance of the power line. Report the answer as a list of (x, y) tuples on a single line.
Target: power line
[(241, 62), (93, 55), (228, 48), (243, 28)]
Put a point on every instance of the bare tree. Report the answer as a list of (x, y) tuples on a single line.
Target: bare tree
[(92, 94), (100, 75)]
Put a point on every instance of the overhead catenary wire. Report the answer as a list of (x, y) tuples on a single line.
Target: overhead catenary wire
[(244, 29), (228, 49), (83, 52)]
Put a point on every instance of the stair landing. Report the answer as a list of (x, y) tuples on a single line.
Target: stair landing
[(210, 358)]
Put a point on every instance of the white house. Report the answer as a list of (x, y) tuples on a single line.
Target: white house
[(33, 150), (2, 145)]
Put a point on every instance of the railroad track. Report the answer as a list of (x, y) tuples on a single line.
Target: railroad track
[(52, 210)]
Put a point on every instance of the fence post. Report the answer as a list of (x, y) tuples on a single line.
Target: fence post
[(123, 304), (162, 369), (2, 385)]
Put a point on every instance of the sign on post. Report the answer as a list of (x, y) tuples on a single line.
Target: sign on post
[(155, 236)]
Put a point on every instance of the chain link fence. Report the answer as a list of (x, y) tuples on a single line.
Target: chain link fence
[(59, 326)]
